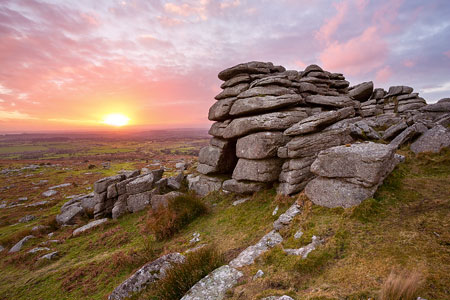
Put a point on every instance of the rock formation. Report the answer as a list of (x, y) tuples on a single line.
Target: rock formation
[(271, 123)]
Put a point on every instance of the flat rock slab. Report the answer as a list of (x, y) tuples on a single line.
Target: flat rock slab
[(275, 121), (284, 297), (70, 214), (260, 145), (434, 140), (141, 184), (89, 226), (263, 170), (147, 274), (20, 244), (286, 218), (49, 193), (362, 91), (331, 101), (253, 67), (243, 187), (215, 285), (257, 104), (248, 256)]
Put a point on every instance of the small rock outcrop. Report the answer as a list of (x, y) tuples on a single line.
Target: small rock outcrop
[(349, 174)]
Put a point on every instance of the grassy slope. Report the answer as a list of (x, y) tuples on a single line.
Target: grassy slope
[(405, 226)]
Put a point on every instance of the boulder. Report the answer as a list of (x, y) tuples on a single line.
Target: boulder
[(433, 140), (408, 134), (399, 90), (89, 226), (233, 91), (215, 285), (50, 256), (120, 206), (18, 246), (260, 145), (347, 175), (264, 170), (362, 91), (441, 106), (259, 104), (253, 67), (158, 201), (394, 130), (27, 218), (203, 185), (311, 144), (141, 184), (319, 121), (248, 256), (243, 187), (138, 202), (111, 191), (87, 202), (268, 90), (146, 275), (220, 110), (331, 101), (275, 121), (101, 185), (174, 182), (49, 193), (69, 215)]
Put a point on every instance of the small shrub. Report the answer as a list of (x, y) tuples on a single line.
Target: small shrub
[(183, 276), (180, 211), (401, 286)]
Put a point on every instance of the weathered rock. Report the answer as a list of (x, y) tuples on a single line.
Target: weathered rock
[(257, 104), (158, 201), (69, 215), (122, 186), (101, 185), (120, 206), (49, 193), (38, 249), (50, 256), (304, 251), (281, 80), (130, 173), (219, 143), (138, 202), (311, 144), (146, 275), (366, 164), (433, 140), (378, 93), (286, 218), (270, 121), (258, 274), (87, 202), (174, 182), (248, 256), (243, 187), (27, 218), (331, 101), (215, 285), (350, 174), (218, 128), (394, 130), (220, 110), (319, 121), (260, 145), (312, 68), (399, 90), (268, 90), (20, 244), (111, 191), (141, 184), (264, 170), (284, 297), (253, 67), (233, 91), (408, 134), (240, 78), (89, 226), (219, 160), (203, 185), (362, 91), (441, 106)]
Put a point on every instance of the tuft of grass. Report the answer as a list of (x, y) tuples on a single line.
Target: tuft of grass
[(183, 276), (401, 286), (180, 211)]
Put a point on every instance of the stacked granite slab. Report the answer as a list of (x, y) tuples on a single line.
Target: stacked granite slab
[(401, 100)]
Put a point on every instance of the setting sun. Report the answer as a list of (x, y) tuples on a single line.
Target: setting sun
[(116, 120)]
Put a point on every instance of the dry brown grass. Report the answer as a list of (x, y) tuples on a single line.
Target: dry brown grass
[(401, 286)]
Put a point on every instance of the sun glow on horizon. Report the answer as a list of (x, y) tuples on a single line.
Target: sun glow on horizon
[(117, 120)]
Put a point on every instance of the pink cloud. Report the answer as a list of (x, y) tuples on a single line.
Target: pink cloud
[(383, 74), (300, 64), (386, 16), (331, 25), (361, 4), (409, 63), (361, 54), (447, 53), (154, 43)]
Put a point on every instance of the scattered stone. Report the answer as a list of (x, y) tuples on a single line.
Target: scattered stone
[(284, 297), (20, 244), (27, 218), (23, 199), (69, 215), (248, 256), (146, 275), (2, 248), (39, 203), (240, 201), (38, 249), (89, 226), (298, 234), (286, 218), (275, 211), (59, 186), (50, 256), (49, 193), (215, 285), (258, 274), (304, 251), (195, 238)]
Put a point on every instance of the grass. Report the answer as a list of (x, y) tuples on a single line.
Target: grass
[(183, 276), (401, 286)]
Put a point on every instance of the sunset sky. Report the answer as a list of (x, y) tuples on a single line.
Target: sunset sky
[(65, 65)]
